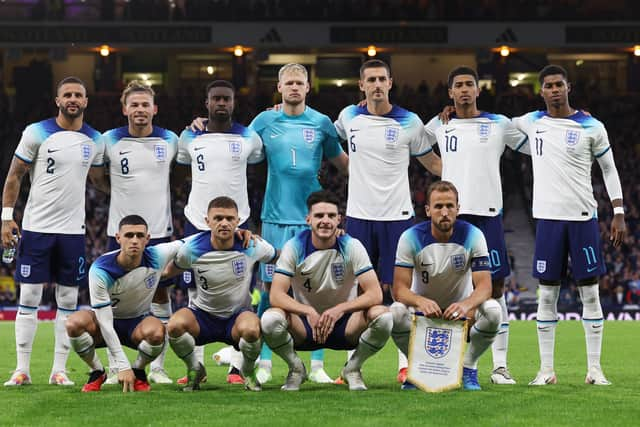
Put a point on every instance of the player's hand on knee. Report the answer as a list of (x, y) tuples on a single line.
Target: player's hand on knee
[(126, 378), (445, 114), (199, 123), (312, 319), (429, 308), (10, 234)]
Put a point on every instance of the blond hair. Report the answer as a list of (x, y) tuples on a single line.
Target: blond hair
[(293, 67), (135, 86)]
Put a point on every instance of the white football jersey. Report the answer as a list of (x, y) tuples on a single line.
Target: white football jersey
[(218, 168), (139, 170), (60, 160), (323, 278), (470, 150), (442, 271), (562, 152), (222, 277), (129, 293), (380, 148)]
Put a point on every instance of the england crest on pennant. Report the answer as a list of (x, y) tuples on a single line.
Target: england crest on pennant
[(572, 137), (541, 266), (437, 342), (309, 135)]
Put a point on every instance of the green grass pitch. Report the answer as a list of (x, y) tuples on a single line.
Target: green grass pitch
[(569, 403)]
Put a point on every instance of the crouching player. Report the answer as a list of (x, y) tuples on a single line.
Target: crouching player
[(221, 311), (121, 286), (442, 270), (325, 310)]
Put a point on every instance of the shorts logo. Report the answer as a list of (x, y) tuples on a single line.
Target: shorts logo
[(457, 262), (572, 137), (160, 151), (309, 135), (25, 270), (437, 342), (186, 277), (483, 130), (86, 152), (239, 267), (235, 148), (337, 269), (150, 280), (391, 134), (541, 266)]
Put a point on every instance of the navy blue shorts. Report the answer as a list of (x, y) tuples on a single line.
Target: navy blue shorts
[(380, 239), (51, 258), (214, 328), (112, 245), (491, 227), (580, 240), (124, 328), (185, 280), (335, 341)]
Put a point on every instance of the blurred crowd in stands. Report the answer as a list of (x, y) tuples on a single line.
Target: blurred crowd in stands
[(319, 10), (619, 287)]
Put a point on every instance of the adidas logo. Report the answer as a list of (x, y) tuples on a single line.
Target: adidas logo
[(272, 36), (507, 36)]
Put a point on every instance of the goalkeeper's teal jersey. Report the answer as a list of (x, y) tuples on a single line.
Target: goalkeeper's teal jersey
[(294, 147)]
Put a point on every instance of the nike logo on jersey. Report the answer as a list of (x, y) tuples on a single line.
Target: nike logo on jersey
[(422, 264), (122, 153), (201, 271), (198, 148), (590, 269), (540, 131), (449, 130), (354, 130), (305, 273), (53, 151), (275, 135)]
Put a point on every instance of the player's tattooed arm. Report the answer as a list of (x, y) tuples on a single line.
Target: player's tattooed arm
[(17, 170)]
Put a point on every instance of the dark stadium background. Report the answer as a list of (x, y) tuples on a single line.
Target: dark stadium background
[(179, 46)]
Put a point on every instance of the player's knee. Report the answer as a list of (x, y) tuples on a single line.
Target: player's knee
[(30, 294), (400, 315), (155, 336), (250, 331), (376, 311), (383, 323), (492, 312), (175, 327), (75, 324), (549, 294), (273, 321), (67, 297)]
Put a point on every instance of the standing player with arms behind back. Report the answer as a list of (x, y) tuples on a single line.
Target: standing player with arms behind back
[(564, 142), (58, 153), (471, 145), (140, 157), (382, 138), (296, 139)]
